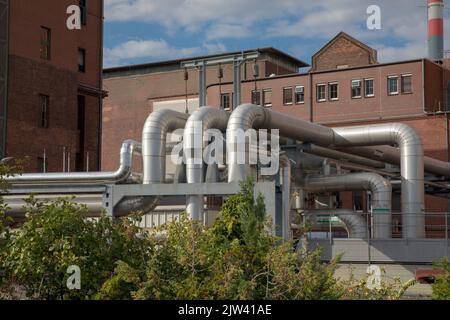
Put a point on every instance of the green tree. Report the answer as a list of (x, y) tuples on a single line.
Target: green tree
[(441, 287), (57, 235)]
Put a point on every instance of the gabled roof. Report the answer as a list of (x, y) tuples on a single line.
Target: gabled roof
[(348, 37)]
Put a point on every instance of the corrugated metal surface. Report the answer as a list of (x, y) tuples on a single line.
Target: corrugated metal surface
[(165, 215)]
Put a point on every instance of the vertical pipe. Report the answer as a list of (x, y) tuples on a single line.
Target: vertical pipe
[(68, 161), (87, 161), (202, 83), (436, 29), (64, 159), (45, 160)]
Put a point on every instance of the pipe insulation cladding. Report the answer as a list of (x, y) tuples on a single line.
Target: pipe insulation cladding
[(129, 147), (201, 120), (380, 188), (248, 116)]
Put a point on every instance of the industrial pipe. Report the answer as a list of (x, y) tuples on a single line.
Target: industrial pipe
[(355, 224), (380, 188), (249, 116), (285, 174), (392, 155), (129, 147), (193, 145)]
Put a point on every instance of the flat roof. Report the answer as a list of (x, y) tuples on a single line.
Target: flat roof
[(177, 62)]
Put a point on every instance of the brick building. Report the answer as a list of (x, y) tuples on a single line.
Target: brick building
[(51, 85), (345, 86)]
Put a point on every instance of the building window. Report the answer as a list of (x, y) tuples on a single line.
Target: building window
[(369, 88), (43, 106), (392, 85), (45, 48), (299, 94), (225, 101), (42, 165), (267, 97), (256, 97), (333, 91), (406, 83), (321, 93), (356, 89), (83, 9), (287, 96), (81, 60)]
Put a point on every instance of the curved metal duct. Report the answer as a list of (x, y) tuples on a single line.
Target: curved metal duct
[(355, 224), (249, 116), (129, 147), (201, 120), (381, 195), (154, 137)]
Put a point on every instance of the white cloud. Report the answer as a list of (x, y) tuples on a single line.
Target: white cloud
[(154, 49), (403, 33)]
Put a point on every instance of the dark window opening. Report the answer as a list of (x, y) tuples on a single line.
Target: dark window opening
[(45, 45), (321, 93), (356, 89), (41, 165), (44, 106), (368, 88), (79, 164), (83, 11), (333, 91), (299, 94), (256, 97), (225, 101), (81, 60)]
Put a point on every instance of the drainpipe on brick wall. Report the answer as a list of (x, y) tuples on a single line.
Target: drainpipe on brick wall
[(100, 120), (311, 99)]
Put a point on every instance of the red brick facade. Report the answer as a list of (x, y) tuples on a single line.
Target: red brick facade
[(58, 78)]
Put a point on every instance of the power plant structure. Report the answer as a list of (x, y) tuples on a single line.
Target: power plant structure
[(315, 163), (436, 29)]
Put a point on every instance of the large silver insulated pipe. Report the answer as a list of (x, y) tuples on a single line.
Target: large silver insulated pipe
[(355, 223), (249, 116), (154, 137), (193, 145), (380, 188), (129, 147), (392, 155)]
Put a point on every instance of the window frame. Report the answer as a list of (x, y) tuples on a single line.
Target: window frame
[(45, 46), (253, 93), (332, 83), (44, 118), (360, 88), (295, 95), (83, 11), (392, 93), (291, 96), (373, 88), (226, 94), (406, 75), (82, 68), (270, 104), (324, 86)]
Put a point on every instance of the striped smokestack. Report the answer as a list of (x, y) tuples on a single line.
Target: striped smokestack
[(436, 29)]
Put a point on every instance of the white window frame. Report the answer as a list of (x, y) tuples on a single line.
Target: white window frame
[(389, 87), (295, 94), (360, 87), (401, 83), (324, 85), (373, 88), (337, 90)]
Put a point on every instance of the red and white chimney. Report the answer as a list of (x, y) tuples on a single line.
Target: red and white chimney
[(436, 29)]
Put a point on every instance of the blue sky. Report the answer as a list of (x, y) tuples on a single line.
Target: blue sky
[(140, 31)]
